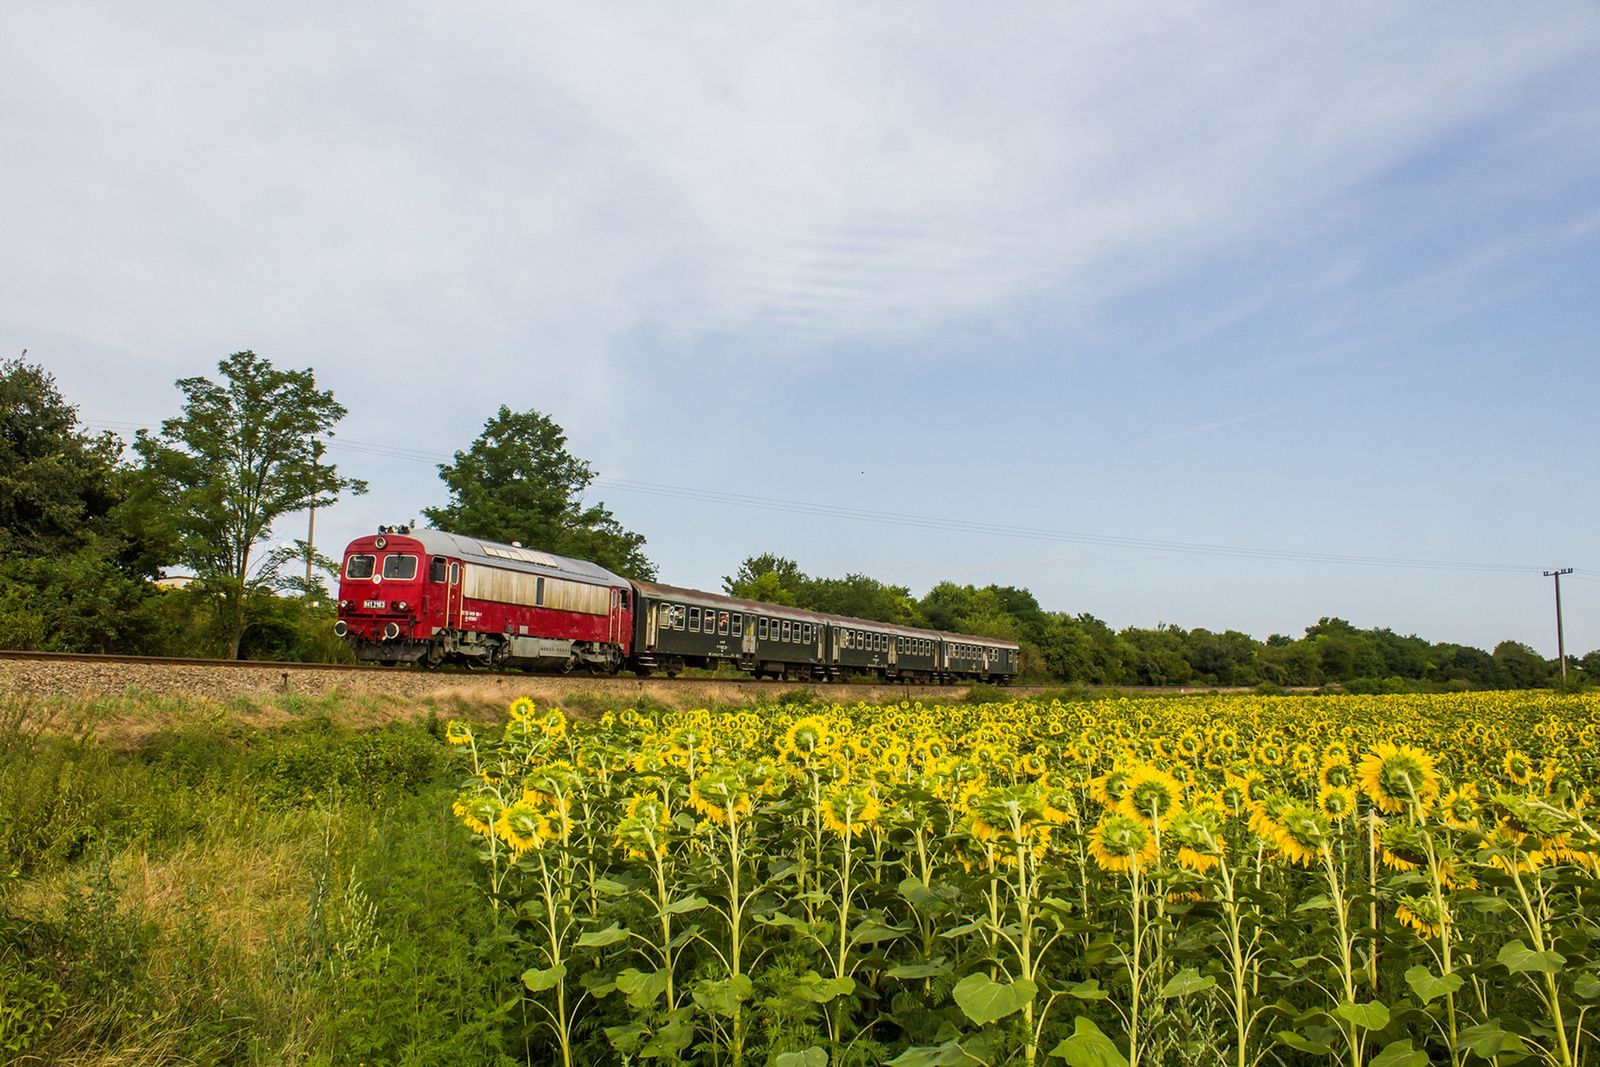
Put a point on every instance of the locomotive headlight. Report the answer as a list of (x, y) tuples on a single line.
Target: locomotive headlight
[(344, 603)]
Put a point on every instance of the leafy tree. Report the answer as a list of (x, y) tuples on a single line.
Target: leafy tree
[(74, 558), (518, 482), (239, 458), (56, 482), (769, 578)]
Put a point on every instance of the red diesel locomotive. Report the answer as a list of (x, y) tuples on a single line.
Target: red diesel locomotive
[(425, 596)]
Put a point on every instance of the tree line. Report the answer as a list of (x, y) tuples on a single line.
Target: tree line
[(91, 525), (1081, 649)]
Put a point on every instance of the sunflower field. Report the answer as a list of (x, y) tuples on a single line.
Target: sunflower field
[(1396, 881)]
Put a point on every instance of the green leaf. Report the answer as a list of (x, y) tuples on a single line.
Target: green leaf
[(642, 989), (625, 1038), (918, 970), (601, 938), (539, 981), (1185, 982), (694, 903), (1295, 1041), (869, 933), (1087, 990), (813, 987), (949, 1054), (1372, 1016), (724, 997), (1587, 986), (811, 1057), (609, 887), (1489, 1040), (778, 918), (1088, 1047), (983, 1000), (1399, 1054), (1427, 987), (1517, 958)]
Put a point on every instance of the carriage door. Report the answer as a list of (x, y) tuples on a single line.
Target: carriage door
[(652, 614), (747, 643), (452, 598), (616, 613), (894, 652)]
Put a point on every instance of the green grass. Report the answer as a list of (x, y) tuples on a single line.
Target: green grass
[(218, 894)]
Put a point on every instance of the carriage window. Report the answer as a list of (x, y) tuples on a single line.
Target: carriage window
[(786, 634), (666, 616), (722, 622), (436, 569), (677, 616), (400, 568), (809, 633), (738, 625), (762, 628), (359, 566), (694, 619)]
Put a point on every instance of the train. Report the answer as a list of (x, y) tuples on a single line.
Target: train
[(431, 598)]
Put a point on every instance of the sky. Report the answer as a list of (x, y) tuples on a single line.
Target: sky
[(1063, 296)]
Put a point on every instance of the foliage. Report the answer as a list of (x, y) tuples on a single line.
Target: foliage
[(393, 956), (1391, 880), (517, 482), (240, 457)]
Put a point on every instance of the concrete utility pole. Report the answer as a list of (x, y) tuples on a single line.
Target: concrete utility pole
[(1561, 641), (311, 525)]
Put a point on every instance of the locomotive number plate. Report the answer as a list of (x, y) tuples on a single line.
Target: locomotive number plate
[(377, 604)]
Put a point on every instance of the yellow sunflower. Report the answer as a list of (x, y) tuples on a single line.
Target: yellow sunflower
[(1118, 844), (1152, 796), (1423, 915), (849, 808), (1399, 778), (1300, 833)]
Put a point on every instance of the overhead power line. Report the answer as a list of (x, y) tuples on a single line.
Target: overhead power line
[(968, 526)]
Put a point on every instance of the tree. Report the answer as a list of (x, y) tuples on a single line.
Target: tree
[(768, 578), (56, 482), (239, 458), (518, 482)]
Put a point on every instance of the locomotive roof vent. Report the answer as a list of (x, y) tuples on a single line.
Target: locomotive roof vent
[(516, 544)]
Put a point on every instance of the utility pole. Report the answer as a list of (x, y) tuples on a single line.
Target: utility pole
[(1561, 641), (311, 525)]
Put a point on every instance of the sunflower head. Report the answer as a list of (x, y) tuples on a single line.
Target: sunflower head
[(1301, 833), (720, 794), (849, 808), (522, 710), (1399, 778), (1152, 796), (1403, 847), (1517, 768), (1459, 808), (1118, 843), (1338, 804), (1423, 915)]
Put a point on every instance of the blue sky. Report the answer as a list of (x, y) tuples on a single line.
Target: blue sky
[(1310, 280)]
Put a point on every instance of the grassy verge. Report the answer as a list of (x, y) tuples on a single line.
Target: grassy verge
[(217, 893)]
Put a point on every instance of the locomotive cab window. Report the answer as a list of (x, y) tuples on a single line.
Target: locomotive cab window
[(400, 568), (436, 569), (359, 566), (624, 600), (694, 619), (455, 574)]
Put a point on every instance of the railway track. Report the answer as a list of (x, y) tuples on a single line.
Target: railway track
[(450, 674), (446, 677)]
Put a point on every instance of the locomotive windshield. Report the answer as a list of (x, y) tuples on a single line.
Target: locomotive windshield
[(359, 566), (400, 568)]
